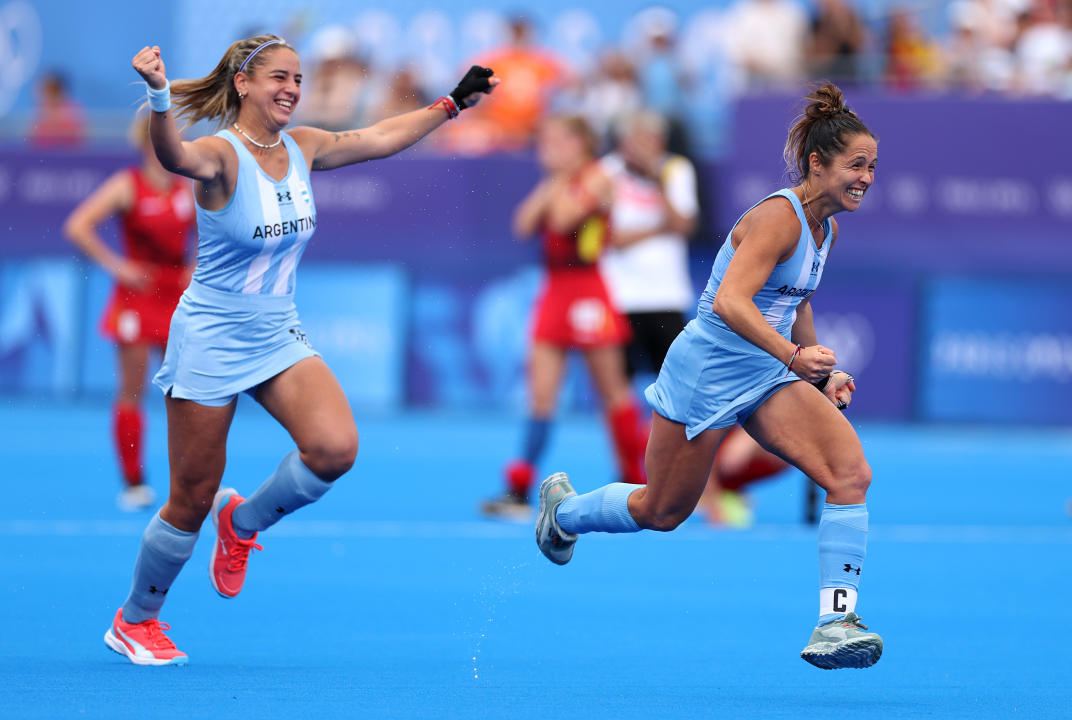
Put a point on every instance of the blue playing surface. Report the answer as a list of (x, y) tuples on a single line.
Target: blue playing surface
[(392, 598)]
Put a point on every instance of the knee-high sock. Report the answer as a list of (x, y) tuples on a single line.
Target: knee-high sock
[(602, 510), (290, 487), (842, 548), (537, 431), (521, 473), (625, 428), (164, 550), (127, 428)]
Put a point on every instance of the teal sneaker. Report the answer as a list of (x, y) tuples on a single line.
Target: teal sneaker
[(555, 543), (843, 644)]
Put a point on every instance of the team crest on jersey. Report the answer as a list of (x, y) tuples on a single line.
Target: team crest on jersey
[(303, 194)]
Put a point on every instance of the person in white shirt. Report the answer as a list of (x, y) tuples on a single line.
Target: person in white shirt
[(654, 212)]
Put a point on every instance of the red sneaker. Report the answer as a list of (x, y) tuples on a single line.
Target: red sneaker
[(227, 563), (143, 643)]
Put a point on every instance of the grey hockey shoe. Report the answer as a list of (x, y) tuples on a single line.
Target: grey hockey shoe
[(554, 542), (843, 644)]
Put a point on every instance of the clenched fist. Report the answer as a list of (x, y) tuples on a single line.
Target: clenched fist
[(151, 68)]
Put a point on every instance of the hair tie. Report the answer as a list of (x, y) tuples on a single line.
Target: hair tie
[(255, 51)]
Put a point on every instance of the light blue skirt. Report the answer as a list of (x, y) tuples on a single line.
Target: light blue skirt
[(709, 382), (223, 343)]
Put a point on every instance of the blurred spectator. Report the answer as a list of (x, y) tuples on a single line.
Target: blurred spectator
[(653, 215), (978, 51), (913, 60), (58, 119), (403, 95), (837, 38), (613, 92), (1044, 48), (509, 118), (663, 84), (766, 40), (338, 91)]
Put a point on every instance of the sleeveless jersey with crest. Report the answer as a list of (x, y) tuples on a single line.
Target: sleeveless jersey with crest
[(788, 285), (253, 244)]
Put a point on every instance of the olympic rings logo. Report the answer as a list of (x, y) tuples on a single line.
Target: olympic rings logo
[(20, 49)]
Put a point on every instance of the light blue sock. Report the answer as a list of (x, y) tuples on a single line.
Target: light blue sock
[(164, 550), (842, 548), (290, 487), (537, 431), (602, 510)]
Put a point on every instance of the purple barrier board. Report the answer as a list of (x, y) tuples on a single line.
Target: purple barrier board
[(435, 214), (961, 185), (871, 328)]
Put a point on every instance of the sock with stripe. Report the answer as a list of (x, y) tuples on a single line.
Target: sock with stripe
[(842, 548)]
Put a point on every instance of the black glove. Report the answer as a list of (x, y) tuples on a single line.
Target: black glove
[(476, 80)]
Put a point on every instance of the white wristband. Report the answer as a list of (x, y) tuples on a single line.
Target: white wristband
[(159, 100)]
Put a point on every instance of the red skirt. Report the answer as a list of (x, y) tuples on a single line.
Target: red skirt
[(575, 311), (144, 316)]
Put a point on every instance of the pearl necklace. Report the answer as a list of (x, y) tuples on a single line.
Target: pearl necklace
[(260, 145)]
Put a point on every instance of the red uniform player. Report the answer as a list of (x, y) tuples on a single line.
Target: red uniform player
[(569, 209), (156, 213)]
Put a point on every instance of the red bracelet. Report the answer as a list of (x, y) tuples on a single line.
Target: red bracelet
[(789, 367), (447, 103)]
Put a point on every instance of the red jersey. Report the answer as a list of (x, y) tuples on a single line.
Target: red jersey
[(574, 309), (155, 232), (156, 227), (580, 247)]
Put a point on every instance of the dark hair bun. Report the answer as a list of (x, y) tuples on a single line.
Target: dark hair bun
[(825, 102)]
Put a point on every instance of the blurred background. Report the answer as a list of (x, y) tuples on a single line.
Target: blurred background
[(947, 296)]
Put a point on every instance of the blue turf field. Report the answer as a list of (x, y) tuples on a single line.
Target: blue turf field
[(391, 598)]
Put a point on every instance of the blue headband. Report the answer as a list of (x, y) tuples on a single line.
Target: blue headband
[(257, 50)]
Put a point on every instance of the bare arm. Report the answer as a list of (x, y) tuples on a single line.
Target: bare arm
[(673, 222), (390, 135), (530, 213), (768, 238), (330, 150), (677, 181), (202, 159), (114, 197), (674, 177), (569, 206)]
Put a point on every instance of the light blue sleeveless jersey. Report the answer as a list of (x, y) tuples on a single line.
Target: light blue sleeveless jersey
[(252, 245), (236, 326), (790, 283), (712, 377)]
